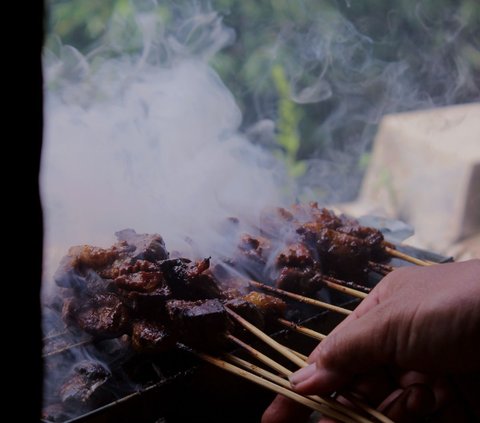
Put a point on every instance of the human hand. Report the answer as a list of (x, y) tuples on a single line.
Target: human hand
[(411, 348)]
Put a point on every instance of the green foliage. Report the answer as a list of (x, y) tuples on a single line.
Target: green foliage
[(288, 119), (361, 59)]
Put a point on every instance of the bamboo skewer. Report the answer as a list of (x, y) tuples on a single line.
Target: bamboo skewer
[(286, 352), (365, 407), (301, 298), (302, 329), (68, 347), (379, 268), (350, 414), (267, 339), (348, 284), (406, 257), (344, 289), (260, 356), (286, 372), (326, 410), (299, 354), (55, 335)]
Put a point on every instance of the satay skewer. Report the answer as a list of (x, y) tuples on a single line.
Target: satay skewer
[(301, 298), (379, 268), (55, 335), (259, 356), (349, 413), (68, 347), (299, 354), (267, 339), (326, 410), (286, 352), (343, 289), (302, 329), (398, 254), (348, 284)]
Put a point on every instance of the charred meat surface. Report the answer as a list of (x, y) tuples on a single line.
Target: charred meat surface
[(84, 384), (254, 248), (248, 310), (200, 324), (303, 281), (143, 246), (151, 303), (295, 255), (343, 255), (189, 280), (137, 293), (271, 307), (140, 281), (54, 413), (151, 337), (103, 316)]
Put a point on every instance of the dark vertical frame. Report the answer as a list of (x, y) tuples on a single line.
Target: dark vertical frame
[(22, 128)]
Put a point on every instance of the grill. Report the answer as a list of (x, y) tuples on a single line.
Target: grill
[(177, 387)]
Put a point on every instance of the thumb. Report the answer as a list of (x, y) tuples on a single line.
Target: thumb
[(356, 348)]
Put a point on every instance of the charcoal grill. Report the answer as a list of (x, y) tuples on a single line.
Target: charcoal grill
[(178, 388)]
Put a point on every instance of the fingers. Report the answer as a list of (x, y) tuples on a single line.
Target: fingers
[(360, 346), (409, 405), (285, 410)]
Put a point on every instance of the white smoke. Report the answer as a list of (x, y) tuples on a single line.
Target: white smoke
[(159, 151)]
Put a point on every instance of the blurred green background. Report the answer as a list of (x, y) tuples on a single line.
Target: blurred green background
[(323, 71)]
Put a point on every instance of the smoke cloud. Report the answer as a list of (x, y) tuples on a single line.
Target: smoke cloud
[(155, 147)]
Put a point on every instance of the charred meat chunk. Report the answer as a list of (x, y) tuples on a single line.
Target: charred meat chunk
[(303, 281), (86, 256), (270, 307), (143, 246), (343, 255), (88, 282), (256, 249), (248, 310), (103, 315), (190, 281), (127, 266), (151, 337), (294, 255), (139, 281), (54, 413), (150, 303), (372, 237), (85, 384), (200, 324)]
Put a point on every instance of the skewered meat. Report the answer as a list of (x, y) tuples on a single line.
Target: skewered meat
[(256, 249), (200, 324), (304, 281), (248, 310), (295, 255), (271, 307), (151, 337), (134, 289), (103, 315), (86, 256), (141, 281), (343, 255), (54, 413), (85, 384), (143, 246), (188, 280), (150, 303)]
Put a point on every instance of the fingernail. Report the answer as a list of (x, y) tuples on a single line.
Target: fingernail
[(302, 375)]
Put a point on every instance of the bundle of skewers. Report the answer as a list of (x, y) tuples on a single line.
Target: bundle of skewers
[(154, 303)]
